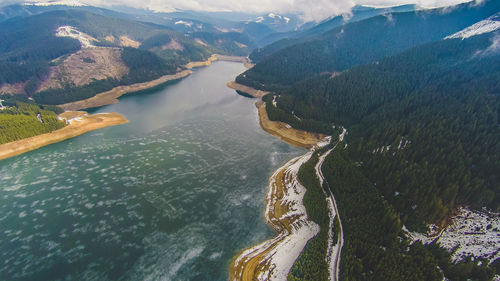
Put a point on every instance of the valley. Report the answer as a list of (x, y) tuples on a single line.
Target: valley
[(351, 142)]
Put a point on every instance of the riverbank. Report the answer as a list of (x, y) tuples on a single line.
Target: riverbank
[(79, 123), (195, 64), (273, 259), (286, 214), (245, 60), (247, 90), (111, 96), (285, 132), (278, 129)]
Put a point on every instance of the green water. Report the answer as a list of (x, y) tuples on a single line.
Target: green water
[(172, 195)]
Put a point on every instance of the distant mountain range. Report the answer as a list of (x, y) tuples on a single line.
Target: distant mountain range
[(345, 46)]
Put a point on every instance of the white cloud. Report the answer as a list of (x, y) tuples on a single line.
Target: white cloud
[(308, 9)]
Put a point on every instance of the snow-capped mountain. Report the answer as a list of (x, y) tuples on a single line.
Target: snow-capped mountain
[(488, 25), (273, 17), (277, 22), (70, 3)]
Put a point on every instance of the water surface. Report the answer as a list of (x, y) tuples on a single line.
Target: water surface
[(172, 195)]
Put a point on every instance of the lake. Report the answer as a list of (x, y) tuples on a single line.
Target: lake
[(173, 195)]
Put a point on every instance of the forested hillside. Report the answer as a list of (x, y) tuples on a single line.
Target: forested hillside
[(144, 66), (277, 41), (423, 125), (423, 131), (222, 31), (362, 42), (22, 120), (375, 248), (29, 48)]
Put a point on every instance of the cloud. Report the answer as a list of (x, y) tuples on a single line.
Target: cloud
[(421, 3), (309, 10)]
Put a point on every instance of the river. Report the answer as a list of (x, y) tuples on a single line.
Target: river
[(173, 195)]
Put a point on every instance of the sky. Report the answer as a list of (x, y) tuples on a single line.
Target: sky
[(310, 10)]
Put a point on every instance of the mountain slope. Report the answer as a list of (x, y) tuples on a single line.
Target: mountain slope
[(64, 49), (277, 41), (362, 42), (423, 131), (424, 123)]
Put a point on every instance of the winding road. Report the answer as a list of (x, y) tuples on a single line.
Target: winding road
[(334, 250)]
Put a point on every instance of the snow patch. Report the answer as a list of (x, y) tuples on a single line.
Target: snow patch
[(470, 233), (186, 23), (485, 26), (275, 104), (326, 141), (342, 135), (282, 251), (282, 257), (72, 32)]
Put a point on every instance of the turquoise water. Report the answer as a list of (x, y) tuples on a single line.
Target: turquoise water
[(172, 195)]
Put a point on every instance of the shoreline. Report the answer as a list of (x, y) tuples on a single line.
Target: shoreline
[(245, 60), (274, 258), (286, 133), (79, 124), (247, 90), (196, 64), (278, 129), (111, 96), (217, 57), (286, 214)]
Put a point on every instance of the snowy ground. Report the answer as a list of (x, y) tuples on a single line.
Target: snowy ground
[(471, 233), (282, 257), (69, 31), (488, 25), (276, 257)]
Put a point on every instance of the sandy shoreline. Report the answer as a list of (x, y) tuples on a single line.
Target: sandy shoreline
[(248, 90), (111, 96), (215, 57), (286, 133), (195, 64), (285, 211), (278, 129), (245, 60), (286, 214), (80, 124)]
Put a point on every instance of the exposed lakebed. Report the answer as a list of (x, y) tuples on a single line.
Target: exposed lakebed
[(173, 195)]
